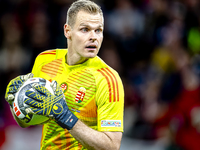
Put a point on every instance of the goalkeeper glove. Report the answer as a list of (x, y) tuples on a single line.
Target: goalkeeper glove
[(42, 102), (13, 87)]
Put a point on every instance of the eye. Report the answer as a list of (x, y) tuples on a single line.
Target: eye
[(84, 29), (99, 30)]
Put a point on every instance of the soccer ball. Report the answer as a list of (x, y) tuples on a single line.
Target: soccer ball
[(19, 106)]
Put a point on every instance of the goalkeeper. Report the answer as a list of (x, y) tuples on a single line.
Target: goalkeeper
[(86, 111)]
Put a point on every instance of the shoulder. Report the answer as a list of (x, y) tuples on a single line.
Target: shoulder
[(108, 82), (50, 55), (54, 53), (103, 71), (97, 63)]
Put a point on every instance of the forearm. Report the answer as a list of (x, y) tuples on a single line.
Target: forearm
[(95, 140)]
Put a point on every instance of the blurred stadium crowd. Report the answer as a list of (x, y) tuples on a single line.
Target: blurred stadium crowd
[(153, 44)]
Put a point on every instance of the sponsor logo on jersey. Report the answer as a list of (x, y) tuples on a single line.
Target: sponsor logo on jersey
[(64, 87), (80, 95), (110, 123)]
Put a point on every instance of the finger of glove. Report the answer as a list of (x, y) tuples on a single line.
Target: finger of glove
[(33, 110), (26, 77), (35, 95), (56, 88), (14, 85), (10, 97), (36, 108), (40, 111), (18, 81), (41, 94), (33, 103), (41, 89), (29, 110), (11, 90)]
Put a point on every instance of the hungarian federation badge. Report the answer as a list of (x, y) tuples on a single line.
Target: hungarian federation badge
[(80, 95)]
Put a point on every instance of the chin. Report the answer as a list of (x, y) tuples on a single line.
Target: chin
[(91, 55)]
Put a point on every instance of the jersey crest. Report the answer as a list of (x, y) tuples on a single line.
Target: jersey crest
[(80, 95), (64, 87)]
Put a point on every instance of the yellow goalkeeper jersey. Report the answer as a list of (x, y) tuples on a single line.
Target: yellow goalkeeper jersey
[(93, 91)]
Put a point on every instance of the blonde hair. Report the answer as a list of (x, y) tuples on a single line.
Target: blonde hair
[(81, 5)]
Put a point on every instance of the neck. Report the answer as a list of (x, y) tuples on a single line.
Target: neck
[(74, 59)]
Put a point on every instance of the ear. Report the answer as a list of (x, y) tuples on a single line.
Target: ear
[(67, 31)]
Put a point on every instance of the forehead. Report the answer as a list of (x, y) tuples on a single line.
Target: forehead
[(89, 19)]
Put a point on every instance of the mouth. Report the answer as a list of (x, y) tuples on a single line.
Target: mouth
[(91, 47)]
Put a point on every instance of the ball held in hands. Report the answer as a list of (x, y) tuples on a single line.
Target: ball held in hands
[(42, 102)]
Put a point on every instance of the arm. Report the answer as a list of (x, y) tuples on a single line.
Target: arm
[(95, 140), (58, 109)]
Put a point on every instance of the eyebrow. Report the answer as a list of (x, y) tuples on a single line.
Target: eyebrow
[(83, 24)]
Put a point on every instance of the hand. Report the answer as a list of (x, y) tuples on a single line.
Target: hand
[(42, 102), (13, 87)]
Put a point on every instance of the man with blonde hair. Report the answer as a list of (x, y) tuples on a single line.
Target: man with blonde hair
[(90, 114)]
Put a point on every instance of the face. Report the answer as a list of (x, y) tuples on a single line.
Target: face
[(85, 37)]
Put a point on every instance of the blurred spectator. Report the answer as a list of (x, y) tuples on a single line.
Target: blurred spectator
[(13, 55), (125, 20), (193, 37), (181, 117), (125, 24), (156, 19), (39, 35), (175, 121)]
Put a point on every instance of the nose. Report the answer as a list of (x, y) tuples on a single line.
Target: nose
[(93, 36)]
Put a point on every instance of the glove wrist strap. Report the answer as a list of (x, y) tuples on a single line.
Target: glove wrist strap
[(68, 120)]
